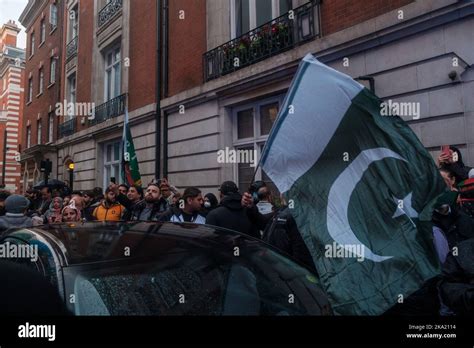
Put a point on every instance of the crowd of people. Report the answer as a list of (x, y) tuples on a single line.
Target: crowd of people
[(261, 214)]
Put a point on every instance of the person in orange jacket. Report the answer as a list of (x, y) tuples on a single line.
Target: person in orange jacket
[(109, 209)]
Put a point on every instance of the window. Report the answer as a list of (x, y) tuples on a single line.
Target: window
[(32, 44), (112, 73), (38, 135), (28, 136), (252, 125), (41, 81), (112, 157), (249, 14), (212, 281), (30, 89), (53, 16), (50, 126), (71, 82), (52, 70), (42, 31), (73, 23)]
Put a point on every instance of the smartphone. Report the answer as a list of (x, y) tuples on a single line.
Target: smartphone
[(445, 150), (112, 180)]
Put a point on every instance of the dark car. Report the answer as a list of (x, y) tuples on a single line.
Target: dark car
[(104, 268)]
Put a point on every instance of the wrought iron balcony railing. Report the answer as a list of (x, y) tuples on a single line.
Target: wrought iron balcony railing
[(280, 34), (67, 128), (108, 11), (110, 109), (71, 48)]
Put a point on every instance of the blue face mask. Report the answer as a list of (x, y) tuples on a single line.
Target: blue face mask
[(207, 204)]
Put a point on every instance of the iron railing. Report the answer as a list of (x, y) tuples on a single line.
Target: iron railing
[(109, 11), (110, 109), (67, 128), (71, 48), (280, 34)]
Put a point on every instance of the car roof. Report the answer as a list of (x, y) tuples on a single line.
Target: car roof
[(89, 242)]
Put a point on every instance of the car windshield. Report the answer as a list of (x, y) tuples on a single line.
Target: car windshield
[(247, 279)]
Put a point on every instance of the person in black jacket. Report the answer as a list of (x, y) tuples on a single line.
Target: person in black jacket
[(457, 283), (150, 208), (456, 225), (280, 230), (230, 213)]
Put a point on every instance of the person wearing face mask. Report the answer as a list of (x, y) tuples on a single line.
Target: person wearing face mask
[(210, 203)]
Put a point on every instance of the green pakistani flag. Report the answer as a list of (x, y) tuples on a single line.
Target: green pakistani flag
[(130, 169), (361, 188)]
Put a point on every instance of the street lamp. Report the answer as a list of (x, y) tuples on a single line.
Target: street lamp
[(71, 175)]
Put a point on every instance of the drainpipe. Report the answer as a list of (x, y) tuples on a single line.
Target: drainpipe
[(158, 92), (165, 144), (165, 83), (371, 82), (165, 47)]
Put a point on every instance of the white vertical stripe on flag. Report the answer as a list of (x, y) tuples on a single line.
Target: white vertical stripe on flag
[(319, 97)]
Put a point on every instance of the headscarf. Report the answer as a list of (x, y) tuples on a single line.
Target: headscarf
[(54, 215), (72, 205)]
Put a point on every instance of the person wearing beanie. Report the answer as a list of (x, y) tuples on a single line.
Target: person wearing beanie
[(15, 209)]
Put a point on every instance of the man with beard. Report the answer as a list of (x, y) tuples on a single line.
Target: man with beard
[(109, 209), (189, 208), (152, 207)]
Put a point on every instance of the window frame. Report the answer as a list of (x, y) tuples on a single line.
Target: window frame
[(50, 127), (28, 137), (42, 31), (39, 132), (30, 90), (53, 16), (40, 81), (111, 51), (252, 15), (52, 70), (71, 93), (32, 44), (111, 163), (258, 140)]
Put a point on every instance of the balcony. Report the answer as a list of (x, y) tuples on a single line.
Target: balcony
[(278, 35), (109, 11), (110, 109), (71, 48), (67, 128)]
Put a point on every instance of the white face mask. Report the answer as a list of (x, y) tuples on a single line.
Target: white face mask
[(207, 204)]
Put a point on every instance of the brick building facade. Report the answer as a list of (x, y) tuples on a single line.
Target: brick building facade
[(408, 51), (173, 64), (12, 64)]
